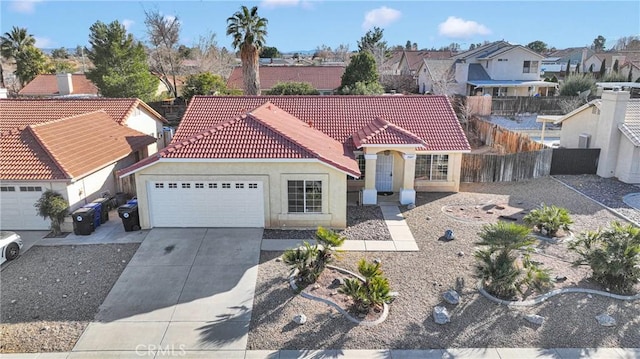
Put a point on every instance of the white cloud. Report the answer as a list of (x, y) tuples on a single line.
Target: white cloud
[(127, 23), (381, 16), (43, 42), (279, 3), (24, 6), (460, 28)]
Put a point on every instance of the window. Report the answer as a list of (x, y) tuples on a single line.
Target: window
[(226, 185), (159, 185), (305, 196), (7, 189), (530, 67), (432, 167), (253, 185), (239, 185), (361, 165), (199, 185), (186, 185), (30, 189), (213, 185), (173, 185)]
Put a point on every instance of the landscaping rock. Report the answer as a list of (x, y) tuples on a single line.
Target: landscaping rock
[(300, 319), (461, 254), (448, 235), (337, 282), (606, 320), (441, 315), (451, 297), (534, 318)]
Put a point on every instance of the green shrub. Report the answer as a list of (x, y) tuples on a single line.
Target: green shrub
[(549, 219), (613, 255), (614, 77), (574, 84), (310, 260), (498, 266), (53, 206), (373, 292)]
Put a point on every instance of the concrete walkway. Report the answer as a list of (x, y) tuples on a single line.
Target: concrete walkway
[(401, 238), (187, 289), (458, 353)]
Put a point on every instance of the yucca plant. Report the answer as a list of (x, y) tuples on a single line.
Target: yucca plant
[(497, 265), (613, 255), (300, 259), (373, 292), (329, 241), (311, 260), (549, 219)]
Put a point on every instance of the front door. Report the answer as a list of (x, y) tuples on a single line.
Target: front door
[(384, 172)]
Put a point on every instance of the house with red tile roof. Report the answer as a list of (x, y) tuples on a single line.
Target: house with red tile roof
[(325, 79), (72, 146), (70, 85), (289, 161)]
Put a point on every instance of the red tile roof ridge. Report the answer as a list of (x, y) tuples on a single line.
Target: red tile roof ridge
[(379, 125), (36, 125)]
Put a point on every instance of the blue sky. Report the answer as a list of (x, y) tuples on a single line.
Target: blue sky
[(305, 25)]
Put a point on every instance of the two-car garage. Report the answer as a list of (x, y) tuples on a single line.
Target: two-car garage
[(206, 203)]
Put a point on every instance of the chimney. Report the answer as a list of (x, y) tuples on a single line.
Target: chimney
[(65, 85), (3, 93), (612, 114)]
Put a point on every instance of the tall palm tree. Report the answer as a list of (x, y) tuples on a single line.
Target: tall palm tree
[(13, 43), (248, 31)]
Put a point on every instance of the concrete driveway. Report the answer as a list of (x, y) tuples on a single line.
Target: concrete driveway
[(184, 290)]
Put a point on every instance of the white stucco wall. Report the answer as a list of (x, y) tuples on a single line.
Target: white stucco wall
[(628, 164), (512, 68), (274, 175), (141, 120), (583, 122)]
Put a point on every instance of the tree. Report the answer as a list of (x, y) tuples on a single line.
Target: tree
[(574, 84), (372, 42), (615, 66), (293, 88), (567, 71), (577, 71), (598, 43), (362, 68), (248, 31), (603, 68), (60, 53), (204, 84), (53, 206), (628, 43), (341, 53), (30, 63), (361, 88), (407, 46), (538, 46), (62, 67), (165, 59), (120, 63), (269, 52), (208, 57), (591, 68), (12, 43)]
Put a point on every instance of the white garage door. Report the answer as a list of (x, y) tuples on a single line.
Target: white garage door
[(17, 210), (206, 204)]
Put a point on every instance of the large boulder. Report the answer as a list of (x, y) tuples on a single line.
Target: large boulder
[(451, 297), (441, 315)]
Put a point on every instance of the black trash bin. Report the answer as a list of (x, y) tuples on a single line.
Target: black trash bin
[(105, 202), (83, 221), (129, 214)]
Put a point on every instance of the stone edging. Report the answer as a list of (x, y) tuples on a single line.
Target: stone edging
[(541, 298), (385, 307)]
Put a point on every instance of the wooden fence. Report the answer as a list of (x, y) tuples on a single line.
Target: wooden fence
[(520, 157), (479, 105)]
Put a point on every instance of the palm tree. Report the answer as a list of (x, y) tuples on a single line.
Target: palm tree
[(13, 43), (248, 31)]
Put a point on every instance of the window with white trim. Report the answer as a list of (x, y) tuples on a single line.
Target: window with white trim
[(530, 67), (304, 196), (432, 167)]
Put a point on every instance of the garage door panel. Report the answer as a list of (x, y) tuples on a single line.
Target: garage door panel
[(206, 204), (17, 209)]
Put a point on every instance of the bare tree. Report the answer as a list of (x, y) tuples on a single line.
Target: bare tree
[(208, 57), (629, 43), (341, 53), (164, 57), (323, 52)]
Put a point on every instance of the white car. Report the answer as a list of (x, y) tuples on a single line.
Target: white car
[(10, 245)]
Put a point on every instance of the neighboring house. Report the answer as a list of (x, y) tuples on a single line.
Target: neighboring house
[(73, 146), (288, 161), (437, 77), (325, 79), (611, 124), (555, 64), (500, 69), (411, 61), (68, 85), (595, 61), (391, 66)]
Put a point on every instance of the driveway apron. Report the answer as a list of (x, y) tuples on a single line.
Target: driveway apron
[(185, 288)]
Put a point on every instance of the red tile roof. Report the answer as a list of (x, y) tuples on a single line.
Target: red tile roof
[(47, 85), (85, 143), (414, 58), (19, 113), (320, 77), (266, 132), (23, 158), (380, 132), (430, 118)]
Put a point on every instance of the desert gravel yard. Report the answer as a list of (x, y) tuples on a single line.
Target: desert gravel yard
[(421, 278), (51, 293)]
